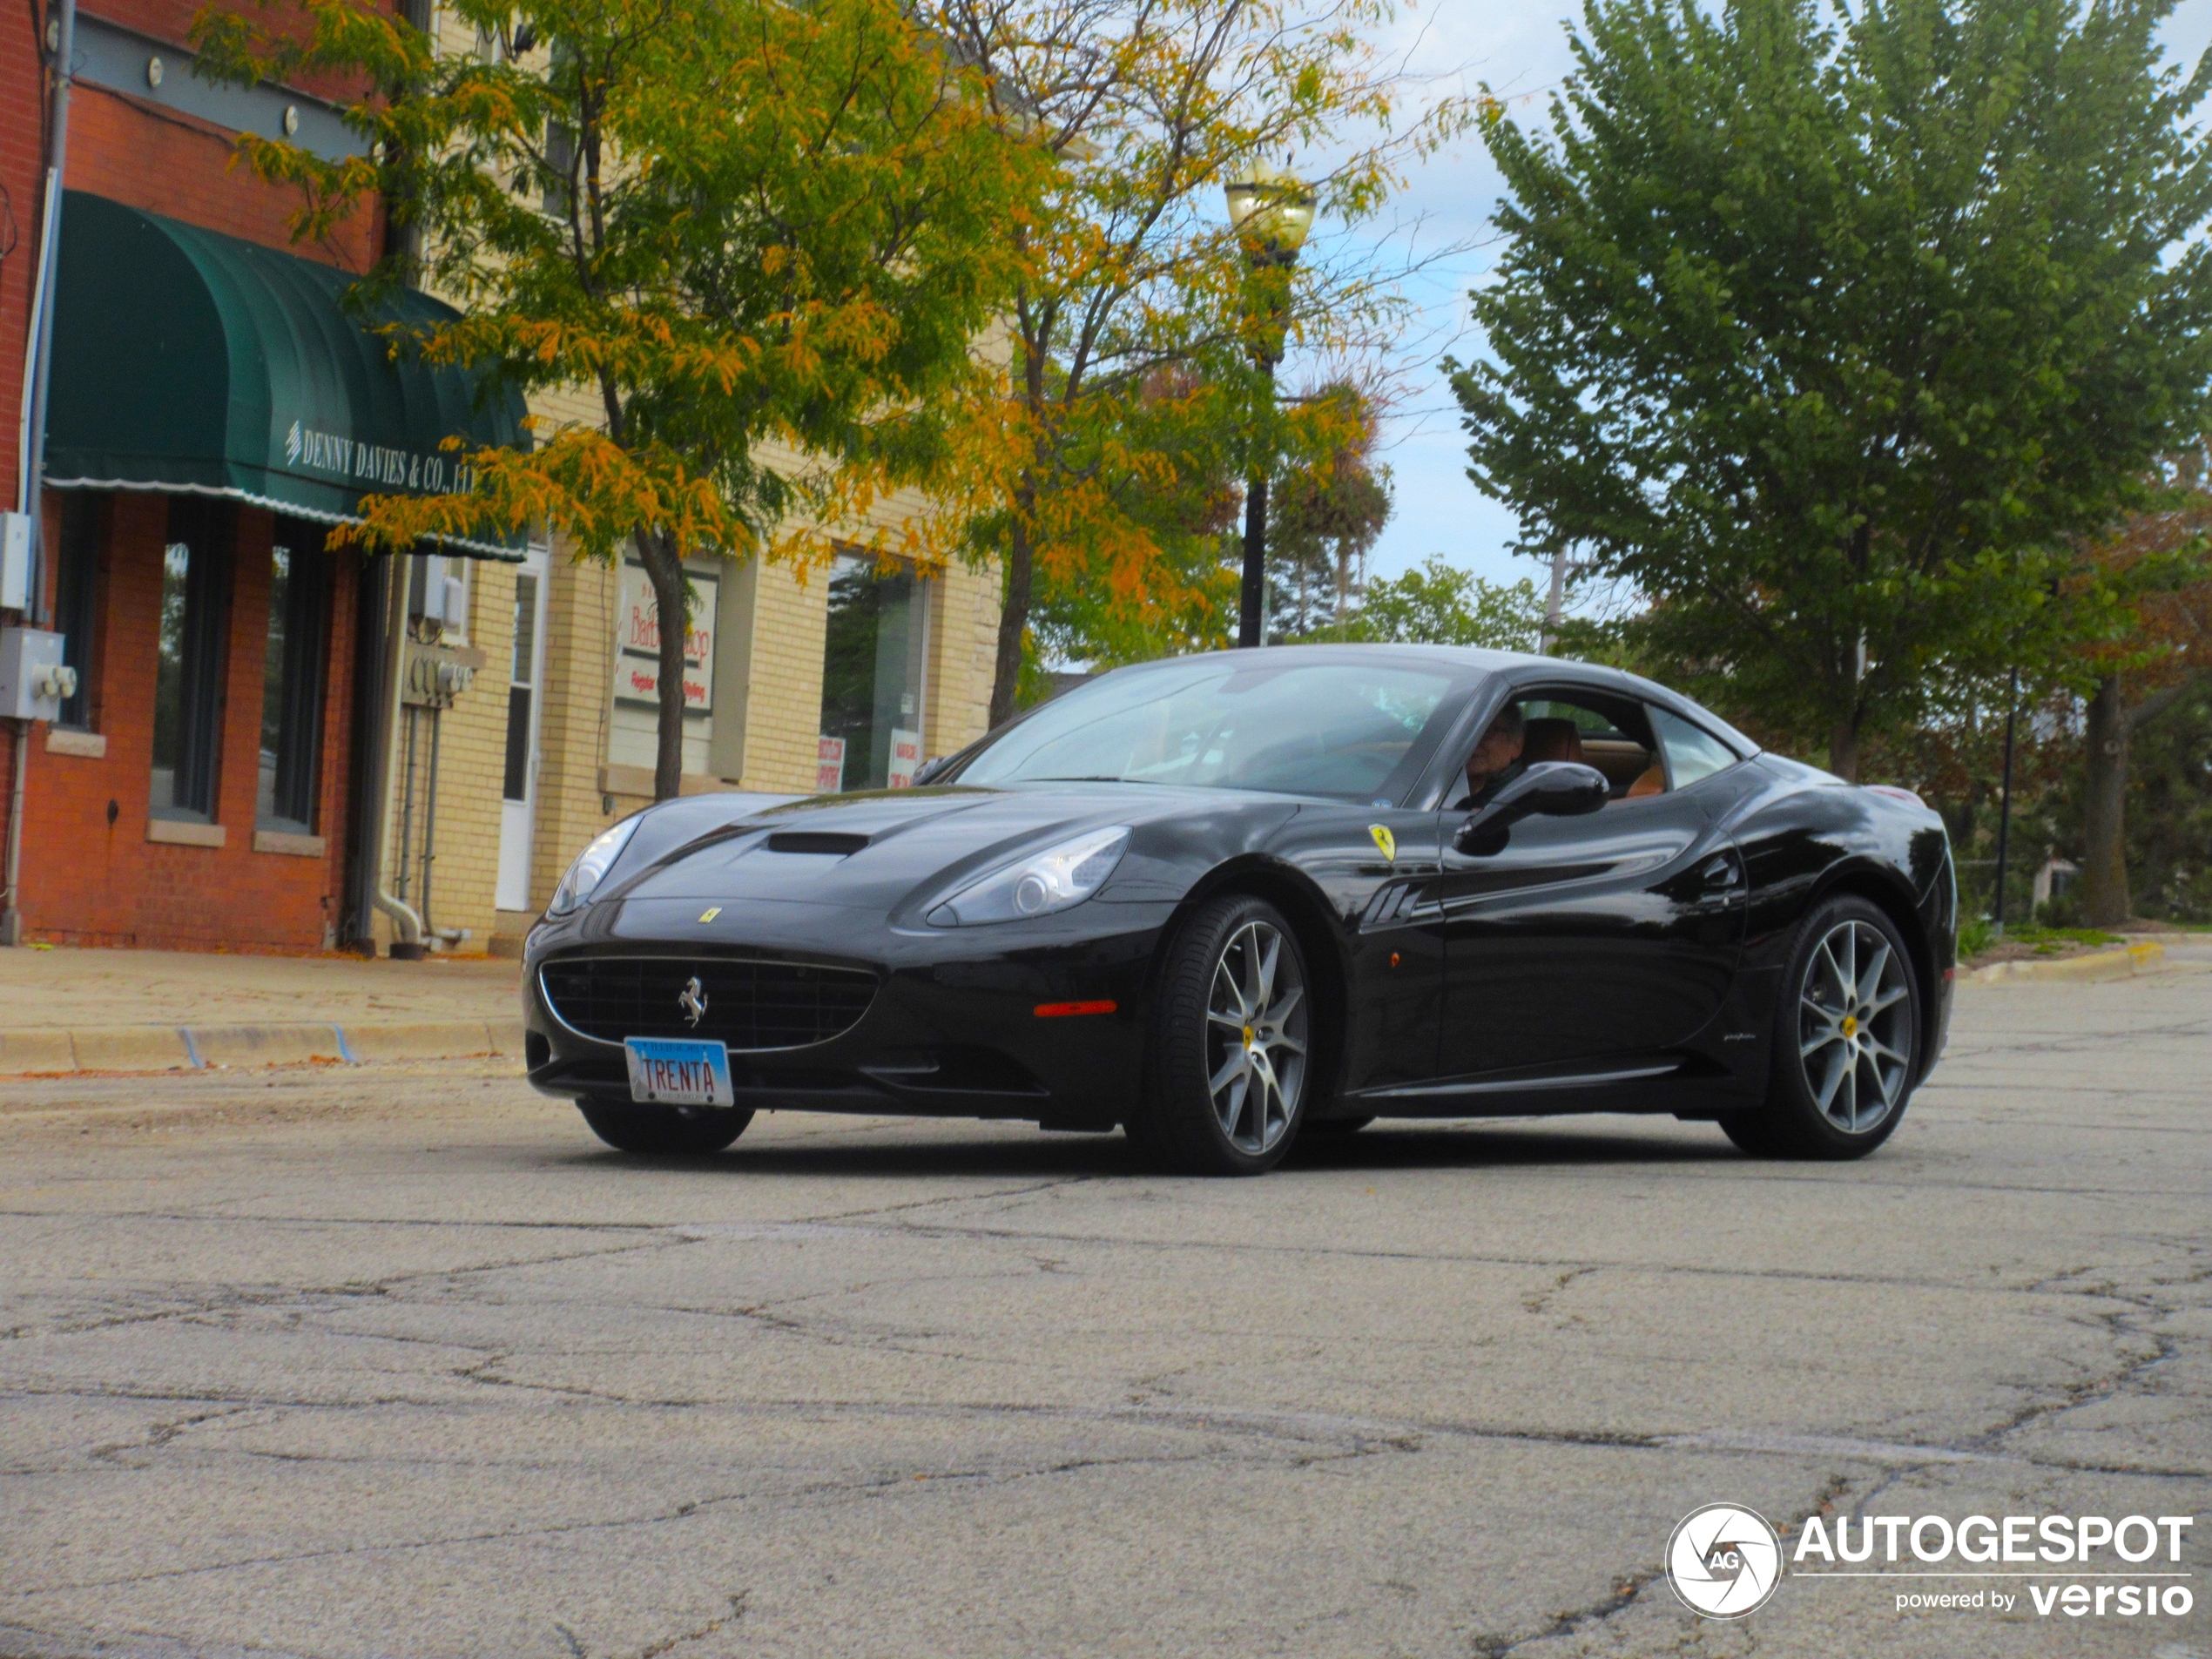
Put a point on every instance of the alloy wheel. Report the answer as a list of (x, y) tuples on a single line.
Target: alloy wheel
[(1256, 1027), (1855, 1027)]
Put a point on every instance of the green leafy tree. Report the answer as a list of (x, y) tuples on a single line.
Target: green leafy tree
[(1147, 108), (760, 240), (1323, 520), (1438, 606), (1095, 605), (1827, 336)]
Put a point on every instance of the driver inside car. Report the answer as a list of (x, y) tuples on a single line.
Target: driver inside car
[(1496, 760)]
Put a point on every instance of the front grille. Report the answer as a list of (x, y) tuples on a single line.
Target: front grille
[(750, 1006)]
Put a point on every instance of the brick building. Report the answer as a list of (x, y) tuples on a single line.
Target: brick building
[(269, 732)]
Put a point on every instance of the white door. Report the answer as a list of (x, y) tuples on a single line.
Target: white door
[(525, 675)]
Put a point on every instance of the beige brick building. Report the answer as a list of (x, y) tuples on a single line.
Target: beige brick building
[(542, 720)]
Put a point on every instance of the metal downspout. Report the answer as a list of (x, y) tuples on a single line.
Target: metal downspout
[(30, 465), (409, 946), (430, 815)]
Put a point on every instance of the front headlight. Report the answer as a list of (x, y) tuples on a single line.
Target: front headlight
[(591, 866), (1039, 884)]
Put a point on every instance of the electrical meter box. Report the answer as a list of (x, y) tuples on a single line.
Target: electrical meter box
[(33, 681)]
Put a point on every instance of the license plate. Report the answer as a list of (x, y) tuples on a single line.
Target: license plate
[(670, 1071)]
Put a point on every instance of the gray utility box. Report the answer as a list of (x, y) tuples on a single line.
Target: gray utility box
[(15, 560), (33, 681)]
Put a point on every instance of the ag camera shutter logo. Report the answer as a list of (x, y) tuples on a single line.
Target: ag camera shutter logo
[(1723, 1560)]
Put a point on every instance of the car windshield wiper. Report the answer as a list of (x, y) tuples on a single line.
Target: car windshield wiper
[(1094, 778)]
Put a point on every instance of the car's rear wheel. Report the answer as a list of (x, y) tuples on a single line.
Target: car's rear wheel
[(1847, 1040), (629, 1126), (1230, 1044)]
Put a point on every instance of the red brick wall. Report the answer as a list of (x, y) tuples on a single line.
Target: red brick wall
[(88, 880), (170, 20), (22, 144), (166, 162)]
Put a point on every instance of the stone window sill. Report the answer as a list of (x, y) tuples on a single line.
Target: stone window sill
[(88, 745), (290, 845), (178, 832)]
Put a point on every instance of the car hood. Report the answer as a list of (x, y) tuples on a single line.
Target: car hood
[(885, 851)]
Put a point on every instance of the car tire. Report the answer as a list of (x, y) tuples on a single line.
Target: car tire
[(663, 1131), (1847, 1032), (1229, 1070)]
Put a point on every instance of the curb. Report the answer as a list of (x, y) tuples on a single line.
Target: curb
[(2136, 959), (177, 1047)]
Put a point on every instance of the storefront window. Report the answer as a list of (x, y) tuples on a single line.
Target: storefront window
[(188, 665), (871, 676), (77, 597), (292, 679)]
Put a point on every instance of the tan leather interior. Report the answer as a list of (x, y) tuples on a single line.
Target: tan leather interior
[(1551, 739), (1653, 782)]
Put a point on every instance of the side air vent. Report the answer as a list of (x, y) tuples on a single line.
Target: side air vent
[(815, 841)]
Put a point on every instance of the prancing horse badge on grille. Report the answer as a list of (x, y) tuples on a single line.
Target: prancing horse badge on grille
[(692, 1000)]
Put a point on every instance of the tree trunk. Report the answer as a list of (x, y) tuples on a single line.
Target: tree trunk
[(666, 572), (1014, 623), (2106, 804), (1842, 749)]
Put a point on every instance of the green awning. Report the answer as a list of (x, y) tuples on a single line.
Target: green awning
[(186, 361)]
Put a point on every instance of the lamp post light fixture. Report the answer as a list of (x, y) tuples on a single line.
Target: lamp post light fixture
[(1271, 211)]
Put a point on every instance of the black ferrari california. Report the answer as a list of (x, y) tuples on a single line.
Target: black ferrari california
[(1226, 902)]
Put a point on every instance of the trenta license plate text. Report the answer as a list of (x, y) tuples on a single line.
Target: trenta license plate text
[(669, 1072)]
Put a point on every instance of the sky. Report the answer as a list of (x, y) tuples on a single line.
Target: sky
[(1520, 51)]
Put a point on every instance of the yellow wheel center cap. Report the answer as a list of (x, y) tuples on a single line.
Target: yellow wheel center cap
[(1851, 1025), (1248, 1037)]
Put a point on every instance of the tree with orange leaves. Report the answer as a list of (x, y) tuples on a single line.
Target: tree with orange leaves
[(762, 238), (1140, 320), (2142, 671)]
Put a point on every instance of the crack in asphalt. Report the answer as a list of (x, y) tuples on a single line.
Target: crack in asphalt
[(2100, 1335)]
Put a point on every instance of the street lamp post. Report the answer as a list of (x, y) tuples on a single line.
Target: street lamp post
[(1271, 211)]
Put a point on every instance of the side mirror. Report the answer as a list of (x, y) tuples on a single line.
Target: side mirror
[(1548, 789)]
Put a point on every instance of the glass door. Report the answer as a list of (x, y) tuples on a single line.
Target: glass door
[(874, 650), (525, 677)]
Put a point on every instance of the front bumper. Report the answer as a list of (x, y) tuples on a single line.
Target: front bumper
[(952, 1030)]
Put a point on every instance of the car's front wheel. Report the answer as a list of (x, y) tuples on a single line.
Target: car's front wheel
[(1230, 1044), (629, 1126), (1847, 1040)]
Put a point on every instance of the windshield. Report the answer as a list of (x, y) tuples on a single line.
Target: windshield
[(1302, 728)]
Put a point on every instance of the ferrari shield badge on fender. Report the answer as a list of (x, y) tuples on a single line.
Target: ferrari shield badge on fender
[(1385, 840), (712, 911)]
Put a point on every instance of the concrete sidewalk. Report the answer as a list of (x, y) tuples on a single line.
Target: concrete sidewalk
[(155, 1010), (2186, 952)]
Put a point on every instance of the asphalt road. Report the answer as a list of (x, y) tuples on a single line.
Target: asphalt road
[(399, 1362)]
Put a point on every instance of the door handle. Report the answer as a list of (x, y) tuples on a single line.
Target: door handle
[(1721, 873)]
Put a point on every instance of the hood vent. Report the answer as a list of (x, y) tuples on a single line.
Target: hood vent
[(815, 841)]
